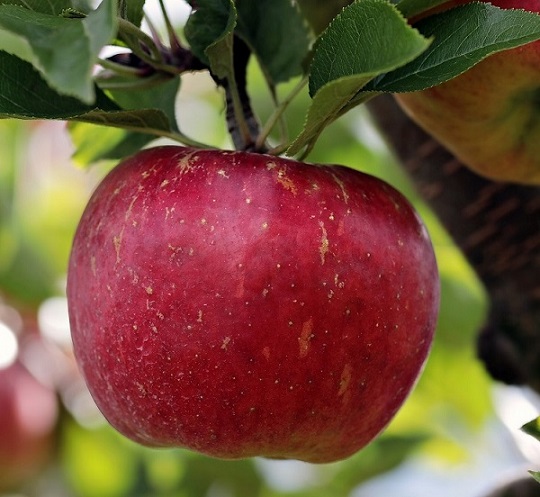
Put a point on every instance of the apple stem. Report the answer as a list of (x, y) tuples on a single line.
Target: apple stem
[(241, 121), (237, 120)]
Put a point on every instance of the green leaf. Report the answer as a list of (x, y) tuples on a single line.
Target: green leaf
[(463, 36), (131, 10), (81, 5), (24, 94), (51, 7), (94, 143), (532, 428), (365, 39), (36, 100), (160, 97), (150, 121), (276, 33), (319, 13), (326, 108), (64, 50), (414, 7), (130, 143), (209, 31), (535, 475), (368, 38)]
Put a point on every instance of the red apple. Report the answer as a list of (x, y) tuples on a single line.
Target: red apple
[(28, 412), (240, 304), (489, 116)]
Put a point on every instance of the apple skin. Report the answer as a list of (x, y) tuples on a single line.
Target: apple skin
[(245, 305), (489, 116), (28, 415)]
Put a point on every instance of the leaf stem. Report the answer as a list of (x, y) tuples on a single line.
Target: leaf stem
[(136, 38), (179, 137), (173, 39), (119, 68), (307, 150), (278, 113), (176, 136), (278, 150), (281, 123), (137, 83)]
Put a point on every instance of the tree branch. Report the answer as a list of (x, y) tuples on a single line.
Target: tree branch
[(497, 226)]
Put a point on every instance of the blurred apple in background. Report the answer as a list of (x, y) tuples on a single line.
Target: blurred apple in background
[(489, 115), (28, 417)]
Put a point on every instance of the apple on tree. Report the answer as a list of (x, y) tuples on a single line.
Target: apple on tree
[(488, 116), (241, 304)]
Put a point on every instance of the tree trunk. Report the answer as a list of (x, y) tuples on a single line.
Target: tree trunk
[(497, 226)]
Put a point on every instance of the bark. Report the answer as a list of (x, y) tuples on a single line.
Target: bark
[(497, 226)]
